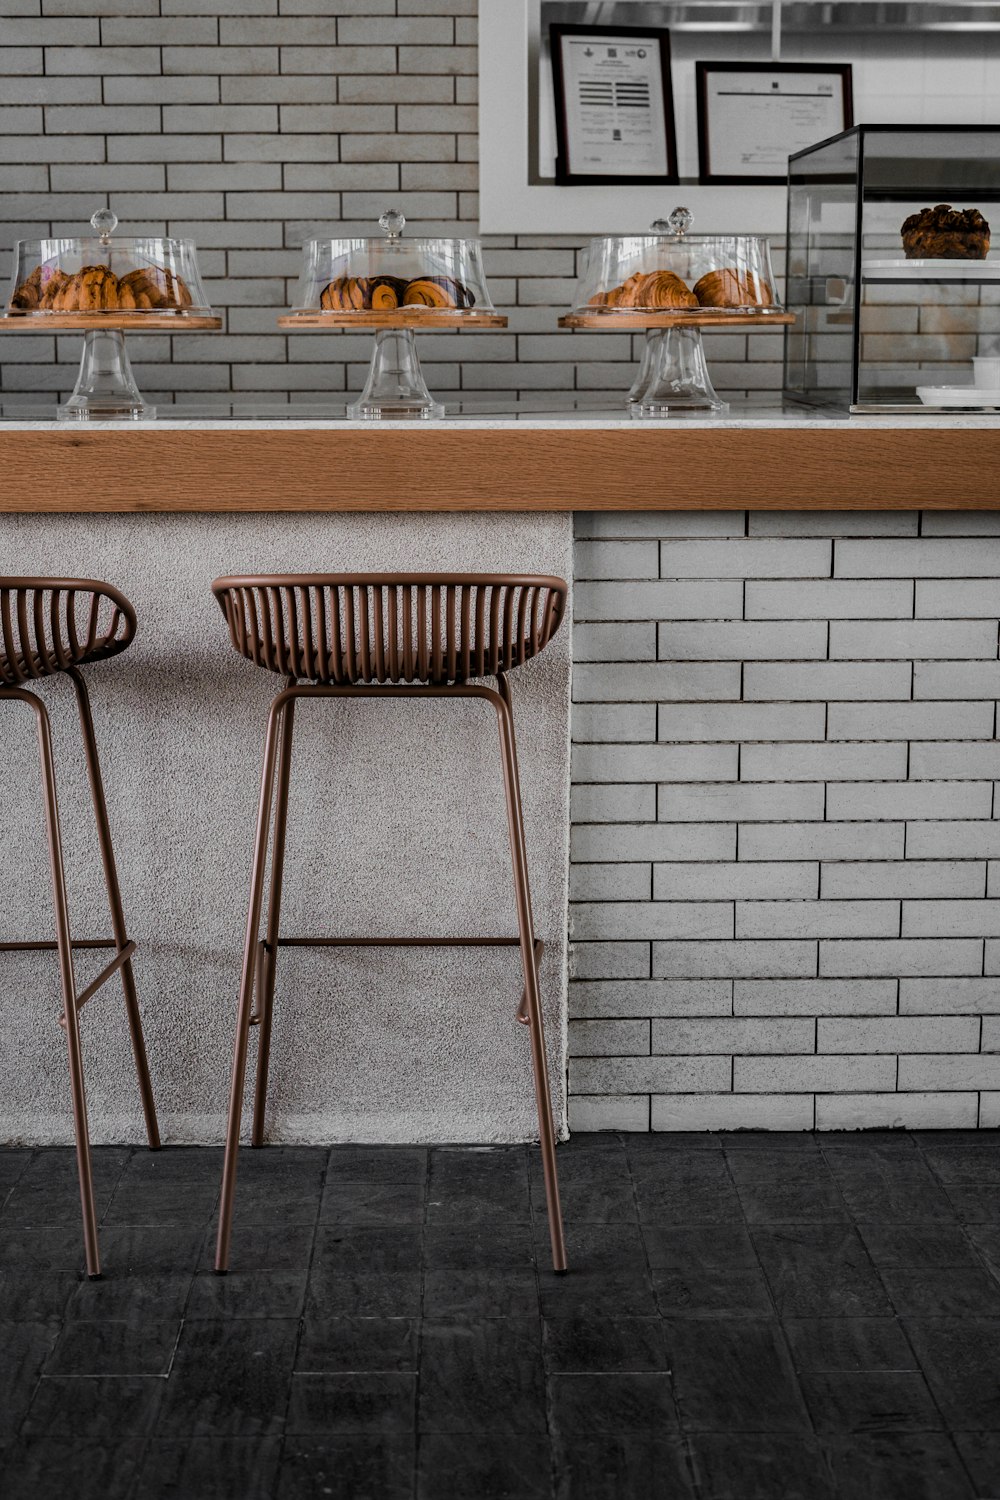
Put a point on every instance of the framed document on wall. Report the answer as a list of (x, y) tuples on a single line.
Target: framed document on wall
[(752, 116), (614, 104)]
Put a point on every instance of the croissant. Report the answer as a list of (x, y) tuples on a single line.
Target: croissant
[(136, 292), (94, 289), (28, 295), (53, 282), (656, 289), (732, 288), (606, 299), (153, 286), (437, 291)]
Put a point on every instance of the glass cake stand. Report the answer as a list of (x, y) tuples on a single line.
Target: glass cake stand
[(397, 288), (105, 288), (674, 285)]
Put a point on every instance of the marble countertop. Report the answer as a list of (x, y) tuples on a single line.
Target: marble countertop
[(508, 416)]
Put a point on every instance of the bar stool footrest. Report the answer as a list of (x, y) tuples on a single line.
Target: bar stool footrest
[(523, 1018), (120, 959)]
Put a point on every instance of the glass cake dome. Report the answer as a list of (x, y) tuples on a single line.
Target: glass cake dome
[(392, 275), (672, 271), (100, 274)]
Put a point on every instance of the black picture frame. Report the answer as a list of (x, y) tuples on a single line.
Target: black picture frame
[(703, 71), (565, 175)]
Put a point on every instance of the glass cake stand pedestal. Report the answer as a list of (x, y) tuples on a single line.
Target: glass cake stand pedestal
[(673, 373), (395, 389), (105, 388)]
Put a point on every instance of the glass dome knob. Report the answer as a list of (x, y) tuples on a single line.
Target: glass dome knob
[(680, 221), (393, 222), (104, 222)]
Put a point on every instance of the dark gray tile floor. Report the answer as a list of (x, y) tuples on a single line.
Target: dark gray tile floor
[(747, 1317)]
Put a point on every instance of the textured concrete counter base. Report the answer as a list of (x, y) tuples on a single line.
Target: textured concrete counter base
[(397, 825)]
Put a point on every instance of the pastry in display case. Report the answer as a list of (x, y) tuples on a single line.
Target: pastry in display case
[(396, 287), (675, 284), (105, 287), (890, 269)]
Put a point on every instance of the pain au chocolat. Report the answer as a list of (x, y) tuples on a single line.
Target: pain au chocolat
[(386, 293), (732, 288), (362, 294), (437, 291)]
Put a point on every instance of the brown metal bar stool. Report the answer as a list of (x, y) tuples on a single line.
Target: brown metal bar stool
[(374, 635), (50, 626)]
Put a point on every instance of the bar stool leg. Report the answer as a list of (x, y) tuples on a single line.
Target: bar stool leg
[(65, 951), (246, 989), (265, 994), (525, 923), (118, 927)]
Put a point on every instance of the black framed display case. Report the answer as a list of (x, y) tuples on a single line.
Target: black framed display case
[(890, 273)]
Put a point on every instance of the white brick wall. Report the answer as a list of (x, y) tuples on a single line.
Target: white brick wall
[(786, 880)]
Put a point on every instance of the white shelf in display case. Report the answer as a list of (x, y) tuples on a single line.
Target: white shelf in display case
[(930, 270), (971, 397)]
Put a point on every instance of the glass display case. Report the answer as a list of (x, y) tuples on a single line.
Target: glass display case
[(890, 270), (105, 286), (674, 284), (396, 287)]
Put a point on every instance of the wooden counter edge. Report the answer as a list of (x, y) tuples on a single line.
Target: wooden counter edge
[(455, 468)]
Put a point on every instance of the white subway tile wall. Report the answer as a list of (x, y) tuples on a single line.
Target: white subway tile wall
[(252, 125), (785, 891)]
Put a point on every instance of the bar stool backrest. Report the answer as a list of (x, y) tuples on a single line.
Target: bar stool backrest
[(48, 625), (348, 628)]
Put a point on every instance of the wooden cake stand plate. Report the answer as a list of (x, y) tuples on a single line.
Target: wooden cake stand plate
[(414, 319), (682, 318), (117, 322)]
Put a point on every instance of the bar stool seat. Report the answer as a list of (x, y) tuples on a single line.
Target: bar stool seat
[(51, 626), (381, 635)]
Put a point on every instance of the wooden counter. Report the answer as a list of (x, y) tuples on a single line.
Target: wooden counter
[(784, 462)]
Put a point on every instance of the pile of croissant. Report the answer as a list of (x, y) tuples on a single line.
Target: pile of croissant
[(385, 293), (656, 290), (98, 289)]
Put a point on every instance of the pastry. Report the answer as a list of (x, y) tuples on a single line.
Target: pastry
[(362, 294), (732, 288), (94, 289), (28, 295), (53, 281), (387, 293), (655, 290), (660, 289), (605, 299), (152, 287), (946, 233), (38, 291), (438, 292)]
